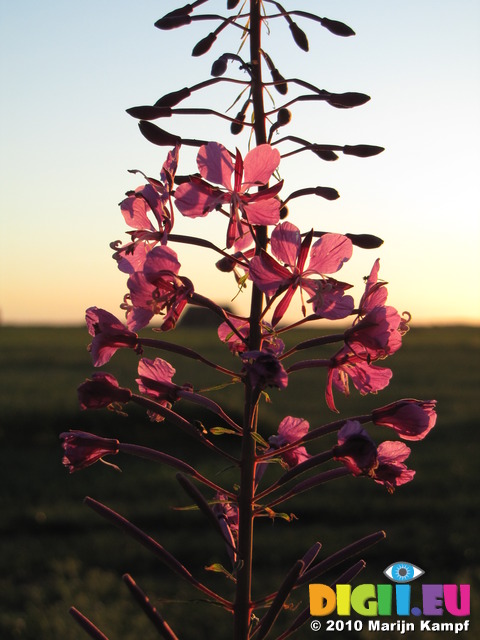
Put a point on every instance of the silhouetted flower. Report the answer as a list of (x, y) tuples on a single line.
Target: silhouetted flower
[(263, 369), (356, 449), (109, 334), (83, 449), (291, 429), (101, 391), (412, 419), (391, 472)]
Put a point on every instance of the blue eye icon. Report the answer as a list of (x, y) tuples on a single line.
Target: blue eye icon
[(403, 572)]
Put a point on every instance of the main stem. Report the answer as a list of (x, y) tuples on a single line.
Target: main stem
[(243, 599)]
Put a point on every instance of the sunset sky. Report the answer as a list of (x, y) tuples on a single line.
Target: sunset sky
[(70, 69)]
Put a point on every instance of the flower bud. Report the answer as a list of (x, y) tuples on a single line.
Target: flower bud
[(219, 67), (283, 117), (231, 4), (362, 150), (100, 391), (158, 136), (204, 45), (171, 21), (237, 127), (173, 98), (337, 28), (347, 100), (411, 419), (365, 240), (299, 36), (281, 86), (149, 113), (84, 449)]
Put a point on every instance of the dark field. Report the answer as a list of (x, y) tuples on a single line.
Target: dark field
[(55, 552)]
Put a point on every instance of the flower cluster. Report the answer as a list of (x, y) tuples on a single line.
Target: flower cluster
[(289, 273)]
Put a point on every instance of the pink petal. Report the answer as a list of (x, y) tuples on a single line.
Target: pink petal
[(215, 164), (292, 429), (263, 212), (267, 274), (134, 210), (161, 259), (329, 253), (368, 378), (286, 242), (391, 451), (134, 261), (196, 198), (158, 369), (259, 164)]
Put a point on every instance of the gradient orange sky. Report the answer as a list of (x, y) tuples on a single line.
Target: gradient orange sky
[(69, 71)]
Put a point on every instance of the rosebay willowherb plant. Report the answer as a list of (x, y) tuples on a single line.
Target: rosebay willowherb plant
[(279, 267)]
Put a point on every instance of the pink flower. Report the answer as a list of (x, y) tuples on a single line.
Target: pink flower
[(391, 472), (375, 294), (263, 369), (378, 334), (109, 334), (155, 380), (101, 391), (84, 449), (157, 290), (289, 430), (411, 419), (366, 377), (270, 341), (198, 197), (148, 210), (356, 449), (327, 255)]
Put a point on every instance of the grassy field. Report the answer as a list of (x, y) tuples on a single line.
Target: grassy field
[(56, 553)]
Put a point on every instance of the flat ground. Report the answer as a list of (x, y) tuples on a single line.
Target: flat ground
[(56, 553)]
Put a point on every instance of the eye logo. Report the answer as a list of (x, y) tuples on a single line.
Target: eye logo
[(403, 572)]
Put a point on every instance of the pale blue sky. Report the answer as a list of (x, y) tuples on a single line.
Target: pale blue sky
[(70, 69)]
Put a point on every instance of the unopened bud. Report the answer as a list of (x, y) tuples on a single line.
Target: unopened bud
[(281, 86), (149, 112), (362, 150), (219, 67), (204, 45), (347, 100), (365, 240), (283, 212), (158, 136), (299, 36), (336, 27), (283, 117), (237, 127), (173, 98), (172, 22), (327, 192), (231, 4)]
